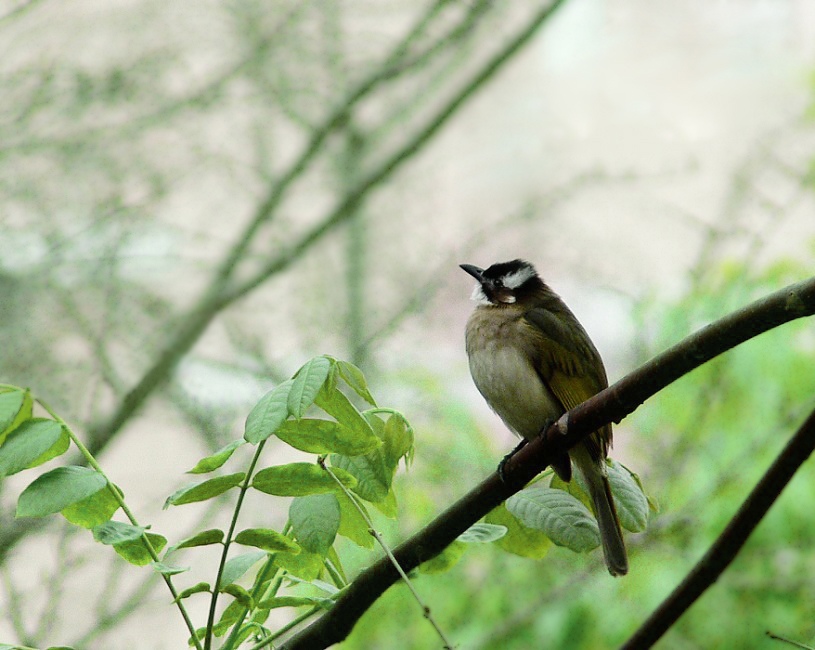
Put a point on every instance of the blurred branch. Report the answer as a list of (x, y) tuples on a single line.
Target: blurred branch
[(166, 109), (21, 9), (223, 291), (729, 543), (612, 404), (333, 122), (391, 164)]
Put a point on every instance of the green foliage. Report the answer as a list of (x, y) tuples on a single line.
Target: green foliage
[(519, 539), (93, 510), (360, 450), (266, 539), (33, 443), (204, 490), (58, 489), (556, 513), (216, 460), (204, 538), (365, 448), (140, 551)]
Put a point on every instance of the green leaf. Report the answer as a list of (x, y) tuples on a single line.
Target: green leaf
[(136, 552), (58, 489), (564, 519), (316, 436), (230, 615), (373, 479), (93, 510), (217, 459), (57, 449), (168, 569), (299, 479), (34, 442), (445, 560), (200, 588), (235, 567), (353, 376), (204, 490), (117, 532), (338, 406), (268, 414), (315, 520), (519, 539), (334, 558), (295, 601), (11, 403), (304, 565), (574, 487), (631, 502), (352, 524), (388, 506), (398, 440), (482, 533), (308, 381), (239, 594), (268, 540), (204, 538)]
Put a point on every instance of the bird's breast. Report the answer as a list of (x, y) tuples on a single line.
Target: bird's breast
[(505, 375)]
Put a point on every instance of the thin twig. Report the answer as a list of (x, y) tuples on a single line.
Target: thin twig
[(778, 637), (375, 534), (227, 542)]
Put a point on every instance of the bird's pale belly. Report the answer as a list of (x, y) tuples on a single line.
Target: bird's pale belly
[(513, 389)]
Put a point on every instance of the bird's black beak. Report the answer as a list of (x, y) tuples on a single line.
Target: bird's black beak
[(476, 272)]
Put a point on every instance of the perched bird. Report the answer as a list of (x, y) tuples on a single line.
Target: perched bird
[(532, 361)]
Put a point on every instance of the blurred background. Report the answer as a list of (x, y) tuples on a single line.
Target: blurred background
[(198, 197)]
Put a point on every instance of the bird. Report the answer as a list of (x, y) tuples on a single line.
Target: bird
[(532, 361)]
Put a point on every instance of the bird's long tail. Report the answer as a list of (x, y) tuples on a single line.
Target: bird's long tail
[(611, 535)]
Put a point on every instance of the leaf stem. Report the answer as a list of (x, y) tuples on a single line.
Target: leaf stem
[(128, 513), (425, 609), (227, 542)]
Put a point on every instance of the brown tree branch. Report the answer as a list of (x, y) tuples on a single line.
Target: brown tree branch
[(612, 404), (729, 543)]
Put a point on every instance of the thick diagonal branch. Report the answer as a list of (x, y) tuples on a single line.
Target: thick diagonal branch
[(614, 403)]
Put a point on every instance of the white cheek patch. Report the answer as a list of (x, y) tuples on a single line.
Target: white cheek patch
[(517, 278), (479, 296)]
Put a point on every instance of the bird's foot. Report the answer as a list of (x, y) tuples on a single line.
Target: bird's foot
[(505, 459)]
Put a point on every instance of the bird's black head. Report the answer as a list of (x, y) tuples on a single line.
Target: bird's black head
[(504, 283)]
